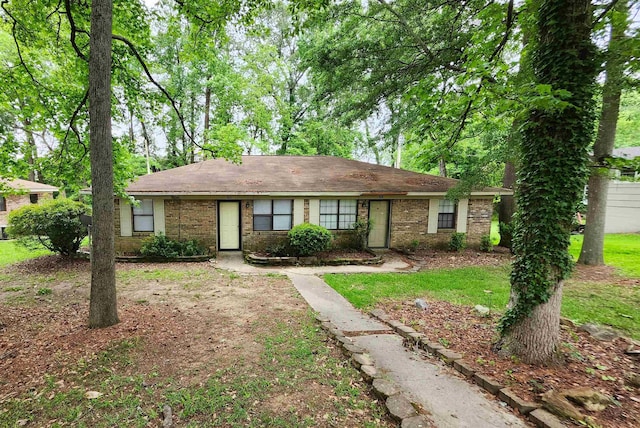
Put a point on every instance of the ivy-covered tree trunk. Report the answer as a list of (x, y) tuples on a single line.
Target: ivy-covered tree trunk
[(553, 151), (592, 252), (103, 305)]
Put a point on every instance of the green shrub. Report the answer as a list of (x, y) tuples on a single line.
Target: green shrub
[(54, 224), (161, 246), (278, 249), (308, 239), (458, 241), (360, 233), (485, 244)]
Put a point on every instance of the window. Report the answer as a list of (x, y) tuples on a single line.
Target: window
[(338, 214), (33, 197), (3, 203), (272, 214), (143, 216), (447, 214)]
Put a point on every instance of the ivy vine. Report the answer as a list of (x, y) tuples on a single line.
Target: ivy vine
[(554, 157)]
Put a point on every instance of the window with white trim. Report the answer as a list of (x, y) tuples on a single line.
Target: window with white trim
[(338, 214), (143, 216), (272, 214), (447, 214)]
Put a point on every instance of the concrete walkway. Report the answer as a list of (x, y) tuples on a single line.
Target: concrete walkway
[(451, 401)]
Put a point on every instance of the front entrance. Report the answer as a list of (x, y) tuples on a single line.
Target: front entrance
[(379, 217), (229, 225)]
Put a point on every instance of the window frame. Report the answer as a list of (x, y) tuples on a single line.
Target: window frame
[(451, 216), (33, 198), (339, 213), (272, 215), (3, 203), (134, 215)]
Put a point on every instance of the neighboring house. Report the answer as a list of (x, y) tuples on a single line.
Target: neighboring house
[(28, 192), (623, 198), (252, 205), (627, 153)]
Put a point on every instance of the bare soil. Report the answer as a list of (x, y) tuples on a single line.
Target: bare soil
[(189, 320), (602, 366)]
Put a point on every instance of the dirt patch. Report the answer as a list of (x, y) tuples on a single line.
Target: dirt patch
[(429, 259), (188, 322)]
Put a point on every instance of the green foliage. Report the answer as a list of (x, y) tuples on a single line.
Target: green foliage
[(55, 224), (458, 241), (485, 243), (279, 249), (308, 239), (553, 150), (360, 232), (161, 246)]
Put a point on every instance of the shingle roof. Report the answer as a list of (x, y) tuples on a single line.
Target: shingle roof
[(27, 185), (291, 174)]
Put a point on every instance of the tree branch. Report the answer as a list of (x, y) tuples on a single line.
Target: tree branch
[(156, 84), (74, 30)]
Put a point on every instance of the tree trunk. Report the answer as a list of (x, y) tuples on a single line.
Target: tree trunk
[(207, 112), (103, 305), (31, 153), (552, 176), (592, 252), (442, 167), (507, 206), (534, 339), (147, 143)]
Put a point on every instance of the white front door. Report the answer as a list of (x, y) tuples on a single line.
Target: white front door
[(379, 216), (229, 225)]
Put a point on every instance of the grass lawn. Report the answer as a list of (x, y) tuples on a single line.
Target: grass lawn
[(621, 250), (11, 252), (604, 303)]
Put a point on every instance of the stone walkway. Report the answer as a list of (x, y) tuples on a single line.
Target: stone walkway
[(449, 400)]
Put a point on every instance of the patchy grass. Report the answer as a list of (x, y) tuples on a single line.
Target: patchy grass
[(11, 252), (294, 358), (621, 250), (246, 353)]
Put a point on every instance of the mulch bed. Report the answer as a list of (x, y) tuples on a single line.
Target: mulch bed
[(602, 366)]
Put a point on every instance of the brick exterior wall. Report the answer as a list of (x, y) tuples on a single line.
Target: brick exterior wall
[(197, 219), (260, 240), (478, 220), (14, 202), (410, 218), (185, 219)]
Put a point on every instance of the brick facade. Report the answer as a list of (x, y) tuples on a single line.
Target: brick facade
[(409, 219), (13, 202), (197, 219), (478, 220), (185, 219)]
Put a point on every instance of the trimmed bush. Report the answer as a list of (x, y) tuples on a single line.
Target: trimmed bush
[(54, 224), (485, 244), (308, 239), (161, 246), (458, 241)]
